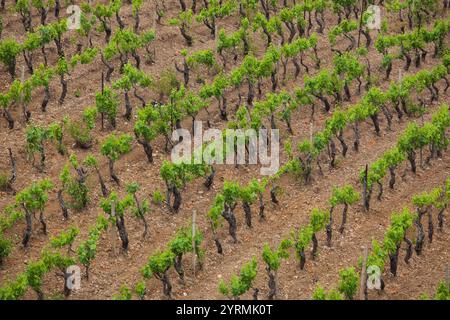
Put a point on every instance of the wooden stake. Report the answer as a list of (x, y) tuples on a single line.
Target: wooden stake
[(363, 277)]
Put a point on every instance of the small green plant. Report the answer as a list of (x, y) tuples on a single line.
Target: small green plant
[(32, 200), (140, 290), (91, 162), (158, 266), (184, 22), (56, 134), (115, 208), (80, 134), (87, 250), (273, 258), (80, 130), (35, 139), (140, 209), (4, 181), (158, 197), (5, 248), (443, 291), (75, 185), (114, 147), (184, 243), (321, 294), (107, 104), (348, 283), (65, 238), (166, 83), (241, 283), (124, 293), (9, 50)]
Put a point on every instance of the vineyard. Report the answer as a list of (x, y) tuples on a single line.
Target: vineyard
[(92, 205)]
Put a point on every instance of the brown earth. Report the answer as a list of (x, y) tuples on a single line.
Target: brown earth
[(109, 270)]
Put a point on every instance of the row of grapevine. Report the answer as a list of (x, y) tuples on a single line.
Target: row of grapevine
[(402, 224)]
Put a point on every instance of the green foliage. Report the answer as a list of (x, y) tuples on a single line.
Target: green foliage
[(86, 57), (120, 205), (443, 291), (65, 238), (62, 67), (107, 103), (14, 290), (348, 282), (132, 77), (400, 223), (184, 21), (4, 181), (114, 147), (347, 65), (397, 45), (216, 9), (87, 249), (323, 84), (231, 193), (91, 161), (202, 57), (89, 116), (5, 248), (56, 134), (413, 138), (345, 195), (144, 207), (318, 219), (34, 274), (9, 49), (35, 139), (80, 133), (345, 27), (273, 258), (35, 197), (321, 294), (183, 243), (140, 289), (179, 174), (241, 283), (11, 215), (124, 293), (158, 264), (249, 193), (427, 199), (302, 239), (74, 185), (158, 197), (166, 83)]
